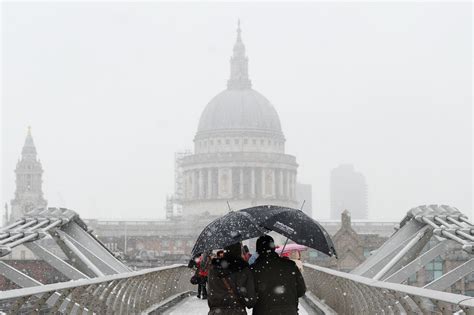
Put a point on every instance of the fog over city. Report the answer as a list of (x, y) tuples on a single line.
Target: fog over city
[(112, 90)]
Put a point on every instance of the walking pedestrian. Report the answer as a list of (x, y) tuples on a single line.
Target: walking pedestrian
[(202, 263), (231, 284), (278, 281)]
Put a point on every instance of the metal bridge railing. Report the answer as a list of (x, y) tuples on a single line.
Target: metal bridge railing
[(352, 294), (124, 293)]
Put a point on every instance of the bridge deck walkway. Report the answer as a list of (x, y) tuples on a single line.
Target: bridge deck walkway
[(193, 305)]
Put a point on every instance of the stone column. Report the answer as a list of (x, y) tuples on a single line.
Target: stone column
[(280, 191), (292, 185), (273, 184), (230, 183), (241, 182), (252, 182), (209, 183), (263, 182), (224, 191), (201, 184), (218, 192), (193, 184), (288, 184)]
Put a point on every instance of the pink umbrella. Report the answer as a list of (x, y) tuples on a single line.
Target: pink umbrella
[(290, 248)]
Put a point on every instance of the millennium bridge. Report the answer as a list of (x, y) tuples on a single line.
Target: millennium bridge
[(101, 284)]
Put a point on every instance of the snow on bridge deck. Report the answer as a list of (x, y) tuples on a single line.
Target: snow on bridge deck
[(193, 305)]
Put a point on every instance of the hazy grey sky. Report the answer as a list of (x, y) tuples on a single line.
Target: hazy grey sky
[(112, 90)]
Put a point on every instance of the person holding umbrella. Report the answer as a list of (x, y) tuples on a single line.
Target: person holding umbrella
[(230, 283), (278, 281), (293, 252), (202, 265)]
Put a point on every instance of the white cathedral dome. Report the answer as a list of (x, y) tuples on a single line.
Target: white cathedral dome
[(240, 109)]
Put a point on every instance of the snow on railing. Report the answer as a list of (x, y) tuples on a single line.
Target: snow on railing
[(352, 294), (124, 293)]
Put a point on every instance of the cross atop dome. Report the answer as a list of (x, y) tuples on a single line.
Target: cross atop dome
[(239, 76)]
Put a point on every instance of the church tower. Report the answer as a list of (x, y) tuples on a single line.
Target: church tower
[(29, 172)]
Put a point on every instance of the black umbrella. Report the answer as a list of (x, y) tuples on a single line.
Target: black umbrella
[(295, 225), (229, 229)]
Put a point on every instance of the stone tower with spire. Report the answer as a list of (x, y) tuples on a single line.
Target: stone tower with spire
[(29, 172)]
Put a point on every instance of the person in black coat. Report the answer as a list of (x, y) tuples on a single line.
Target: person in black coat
[(278, 281), (230, 283)]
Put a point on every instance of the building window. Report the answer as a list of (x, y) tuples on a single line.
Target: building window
[(434, 269), (218, 141)]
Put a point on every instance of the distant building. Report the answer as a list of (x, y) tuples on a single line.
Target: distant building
[(352, 247), (239, 151), (348, 191), (304, 193), (29, 172), (151, 243)]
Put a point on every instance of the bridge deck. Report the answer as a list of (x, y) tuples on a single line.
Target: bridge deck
[(193, 305)]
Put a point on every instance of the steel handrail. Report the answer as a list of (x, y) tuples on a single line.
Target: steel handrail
[(15, 293), (380, 293), (157, 284)]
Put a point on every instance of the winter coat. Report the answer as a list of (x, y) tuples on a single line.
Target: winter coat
[(278, 283), (202, 266), (232, 300)]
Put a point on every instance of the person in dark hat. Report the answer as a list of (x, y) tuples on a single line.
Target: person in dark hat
[(230, 283), (278, 281)]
